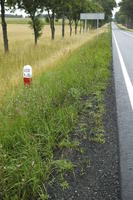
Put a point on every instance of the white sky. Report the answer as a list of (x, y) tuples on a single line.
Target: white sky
[(17, 12), (116, 9)]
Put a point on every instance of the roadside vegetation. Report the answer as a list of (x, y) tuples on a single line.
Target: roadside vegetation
[(123, 27), (36, 122), (22, 52), (70, 74), (125, 15)]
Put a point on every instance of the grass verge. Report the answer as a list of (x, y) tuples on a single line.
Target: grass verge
[(37, 121), (122, 27)]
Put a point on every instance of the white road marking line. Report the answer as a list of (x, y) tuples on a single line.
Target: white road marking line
[(128, 83), (127, 34)]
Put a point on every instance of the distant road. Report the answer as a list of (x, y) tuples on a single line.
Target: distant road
[(123, 73)]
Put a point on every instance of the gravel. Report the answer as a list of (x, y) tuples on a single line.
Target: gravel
[(97, 175)]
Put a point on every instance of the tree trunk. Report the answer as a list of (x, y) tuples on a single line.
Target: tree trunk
[(4, 25), (84, 26), (35, 31), (70, 24), (63, 26), (80, 27), (52, 26), (35, 36), (70, 29), (76, 26)]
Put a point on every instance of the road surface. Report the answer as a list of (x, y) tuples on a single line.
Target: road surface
[(123, 74)]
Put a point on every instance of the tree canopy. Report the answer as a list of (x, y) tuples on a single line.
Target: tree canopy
[(125, 15)]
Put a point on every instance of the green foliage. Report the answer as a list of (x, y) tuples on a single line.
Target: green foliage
[(63, 165), (108, 6), (66, 143), (32, 8), (125, 15), (127, 7), (98, 138), (38, 25), (37, 121), (65, 185)]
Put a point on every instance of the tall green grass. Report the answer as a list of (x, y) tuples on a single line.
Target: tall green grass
[(36, 120)]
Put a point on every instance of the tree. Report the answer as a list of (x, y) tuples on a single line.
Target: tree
[(125, 15), (91, 7), (77, 8), (4, 25), (69, 15), (61, 12), (50, 6), (121, 18), (127, 7), (31, 7), (37, 25), (127, 10), (108, 6), (96, 7)]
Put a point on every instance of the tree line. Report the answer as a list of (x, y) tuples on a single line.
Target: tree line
[(125, 15), (56, 9)]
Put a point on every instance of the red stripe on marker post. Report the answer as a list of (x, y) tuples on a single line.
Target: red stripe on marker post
[(27, 75)]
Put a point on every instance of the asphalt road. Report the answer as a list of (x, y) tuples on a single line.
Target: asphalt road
[(123, 75)]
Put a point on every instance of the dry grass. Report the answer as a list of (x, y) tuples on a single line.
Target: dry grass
[(23, 51), (124, 27)]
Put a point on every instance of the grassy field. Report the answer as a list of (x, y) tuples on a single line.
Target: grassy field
[(35, 122), (17, 20), (22, 52), (26, 20)]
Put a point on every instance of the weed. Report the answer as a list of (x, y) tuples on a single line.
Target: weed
[(66, 143), (98, 138), (63, 165), (65, 185)]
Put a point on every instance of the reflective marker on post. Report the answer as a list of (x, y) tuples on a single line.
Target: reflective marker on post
[(27, 74)]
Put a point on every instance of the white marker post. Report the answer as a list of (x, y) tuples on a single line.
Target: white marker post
[(27, 75), (92, 16)]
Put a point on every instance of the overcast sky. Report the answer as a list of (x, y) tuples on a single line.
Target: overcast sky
[(116, 9)]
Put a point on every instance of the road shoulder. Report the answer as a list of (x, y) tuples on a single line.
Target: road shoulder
[(98, 174)]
